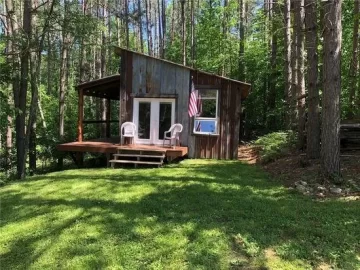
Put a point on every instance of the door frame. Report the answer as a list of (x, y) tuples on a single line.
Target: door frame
[(154, 118)]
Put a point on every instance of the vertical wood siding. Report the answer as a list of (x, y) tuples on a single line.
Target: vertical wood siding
[(143, 76), (225, 145), (155, 78)]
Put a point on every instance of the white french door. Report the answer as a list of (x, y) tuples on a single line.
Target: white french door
[(152, 118)]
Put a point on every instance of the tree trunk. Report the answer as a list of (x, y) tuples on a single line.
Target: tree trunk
[(63, 72), (224, 46), (140, 26), (183, 32), (288, 69), (32, 126), (294, 78), (354, 65), (13, 62), (35, 64), (163, 17), (63, 81), (33, 85), (192, 14), (299, 17), (32, 146), (172, 34), (41, 114), (20, 96), (103, 74), (313, 123), (127, 24), (241, 40), (9, 140), (160, 33), (330, 140), (148, 26), (272, 80)]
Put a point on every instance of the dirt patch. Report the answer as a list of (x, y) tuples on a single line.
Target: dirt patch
[(249, 154)]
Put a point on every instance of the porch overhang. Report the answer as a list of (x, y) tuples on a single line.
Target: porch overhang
[(107, 87)]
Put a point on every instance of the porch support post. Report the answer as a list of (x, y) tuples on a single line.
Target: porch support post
[(80, 115), (108, 113)]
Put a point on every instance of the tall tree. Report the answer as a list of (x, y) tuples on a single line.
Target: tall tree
[(183, 32), (287, 67), (330, 139), (163, 23), (126, 7), (294, 66), (64, 58), (21, 94), (241, 7), (149, 26), (37, 42), (299, 18), (192, 27), (139, 25), (12, 59), (272, 80), (223, 47), (313, 125), (33, 86), (354, 65)]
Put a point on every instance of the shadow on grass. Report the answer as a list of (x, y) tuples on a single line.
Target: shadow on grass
[(189, 213)]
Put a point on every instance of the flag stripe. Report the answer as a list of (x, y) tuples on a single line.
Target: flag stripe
[(193, 108)]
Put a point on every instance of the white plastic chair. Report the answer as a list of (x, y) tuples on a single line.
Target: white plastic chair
[(128, 129), (173, 134)]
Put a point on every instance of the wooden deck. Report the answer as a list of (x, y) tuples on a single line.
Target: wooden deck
[(111, 146)]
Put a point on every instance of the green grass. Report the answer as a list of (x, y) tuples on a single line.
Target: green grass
[(195, 215)]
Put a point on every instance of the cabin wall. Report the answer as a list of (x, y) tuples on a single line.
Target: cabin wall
[(224, 145), (146, 77)]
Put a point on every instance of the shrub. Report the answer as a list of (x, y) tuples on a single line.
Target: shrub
[(275, 145)]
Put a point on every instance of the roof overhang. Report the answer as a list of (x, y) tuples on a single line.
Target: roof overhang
[(243, 86), (107, 87)]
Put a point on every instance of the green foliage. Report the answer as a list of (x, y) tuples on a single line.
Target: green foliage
[(198, 214), (275, 145), (4, 66)]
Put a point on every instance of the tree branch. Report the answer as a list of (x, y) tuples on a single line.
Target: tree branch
[(39, 6)]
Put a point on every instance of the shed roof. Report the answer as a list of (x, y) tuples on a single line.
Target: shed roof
[(118, 51), (108, 87)]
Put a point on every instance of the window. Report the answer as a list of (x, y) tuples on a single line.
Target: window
[(207, 120)]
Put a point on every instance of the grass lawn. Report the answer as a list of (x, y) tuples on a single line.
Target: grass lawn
[(195, 215)]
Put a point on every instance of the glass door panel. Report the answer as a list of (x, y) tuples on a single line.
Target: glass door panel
[(152, 118), (165, 115), (144, 120)]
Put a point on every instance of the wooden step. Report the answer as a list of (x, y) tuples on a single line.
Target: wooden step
[(136, 162), (137, 155), (141, 150)]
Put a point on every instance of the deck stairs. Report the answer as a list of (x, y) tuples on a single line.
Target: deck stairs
[(138, 157)]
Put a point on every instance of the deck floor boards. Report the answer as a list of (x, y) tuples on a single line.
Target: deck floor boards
[(112, 145)]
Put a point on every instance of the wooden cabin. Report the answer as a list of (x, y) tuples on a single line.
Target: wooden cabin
[(154, 94)]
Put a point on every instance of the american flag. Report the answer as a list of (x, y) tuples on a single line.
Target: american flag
[(195, 106)]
